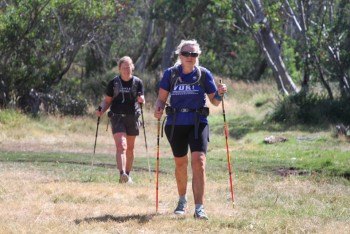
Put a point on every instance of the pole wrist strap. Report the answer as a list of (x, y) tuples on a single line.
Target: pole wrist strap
[(217, 96)]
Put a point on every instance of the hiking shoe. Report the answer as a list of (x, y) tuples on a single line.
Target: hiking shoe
[(200, 214), (130, 180), (181, 208), (124, 178)]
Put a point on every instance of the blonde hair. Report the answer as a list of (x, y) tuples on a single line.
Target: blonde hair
[(126, 59), (184, 43)]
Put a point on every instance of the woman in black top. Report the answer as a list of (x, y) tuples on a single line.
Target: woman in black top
[(124, 95)]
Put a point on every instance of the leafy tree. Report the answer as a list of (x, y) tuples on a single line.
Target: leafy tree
[(255, 19), (72, 46), (40, 39), (307, 35)]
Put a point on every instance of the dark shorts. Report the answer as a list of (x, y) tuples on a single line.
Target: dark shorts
[(184, 136), (129, 124)]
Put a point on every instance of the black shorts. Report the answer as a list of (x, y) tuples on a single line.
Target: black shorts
[(184, 136), (129, 124)]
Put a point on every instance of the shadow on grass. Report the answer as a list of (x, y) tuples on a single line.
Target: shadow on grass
[(118, 219)]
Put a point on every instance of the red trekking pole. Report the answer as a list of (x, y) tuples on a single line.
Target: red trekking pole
[(227, 151), (157, 163)]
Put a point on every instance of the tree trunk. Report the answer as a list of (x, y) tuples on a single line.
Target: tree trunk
[(259, 71), (154, 35), (268, 45), (300, 26), (306, 79), (343, 77), (323, 80), (193, 18), (3, 94), (168, 53), (152, 40)]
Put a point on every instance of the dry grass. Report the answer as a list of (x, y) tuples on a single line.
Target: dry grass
[(242, 98), (35, 200)]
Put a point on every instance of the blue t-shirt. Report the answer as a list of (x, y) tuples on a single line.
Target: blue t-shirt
[(187, 93)]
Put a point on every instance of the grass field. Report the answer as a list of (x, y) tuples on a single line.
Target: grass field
[(51, 182)]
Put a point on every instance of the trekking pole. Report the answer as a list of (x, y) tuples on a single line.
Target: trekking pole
[(98, 122), (157, 162), (144, 134), (143, 124), (227, 151)]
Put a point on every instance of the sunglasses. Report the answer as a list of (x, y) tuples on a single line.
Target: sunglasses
[(189, 54)]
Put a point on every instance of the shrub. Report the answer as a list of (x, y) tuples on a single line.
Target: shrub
[(311, 109)]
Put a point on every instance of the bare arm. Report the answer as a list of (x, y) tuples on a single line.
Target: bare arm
[(216, 97), (160, 103), (105, 104), (141, 99)]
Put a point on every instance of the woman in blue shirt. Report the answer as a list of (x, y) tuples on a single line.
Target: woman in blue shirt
[(186, 125)]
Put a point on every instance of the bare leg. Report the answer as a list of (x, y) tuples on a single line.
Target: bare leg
[(121, 146), (199, 177), (130, 152), (181, 174)]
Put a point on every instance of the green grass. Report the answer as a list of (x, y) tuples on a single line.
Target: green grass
[(309, 151), (298, 186), (322, 154)]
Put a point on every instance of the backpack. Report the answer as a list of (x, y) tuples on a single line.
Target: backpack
[(118, 83), (175, 74)]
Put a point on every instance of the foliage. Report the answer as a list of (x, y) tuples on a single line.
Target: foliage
[(40, 39), (223, 53), (311, 109), (292, 60), (68, 46), (67, 105)]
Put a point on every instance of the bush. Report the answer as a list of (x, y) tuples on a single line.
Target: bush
[(68, 105), (63, 104), (312, 109)]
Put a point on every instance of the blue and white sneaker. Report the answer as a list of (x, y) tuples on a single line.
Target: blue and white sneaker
[(200, 214), (130, 180), (124, 178), (181, 208)]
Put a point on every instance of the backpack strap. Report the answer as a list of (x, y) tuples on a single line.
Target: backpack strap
[(118, 83), (202, 73), (135, 83), (175, 74), (174, 78)]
